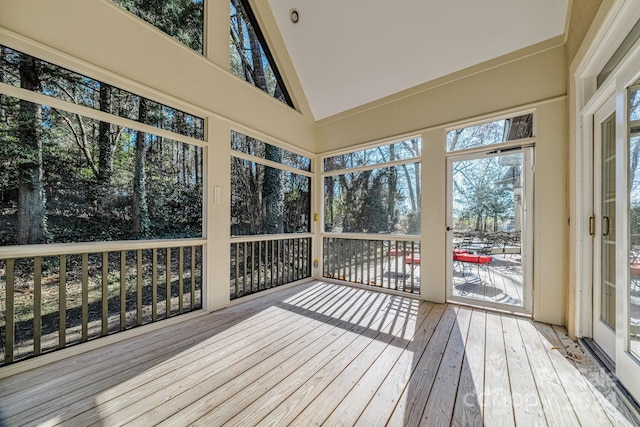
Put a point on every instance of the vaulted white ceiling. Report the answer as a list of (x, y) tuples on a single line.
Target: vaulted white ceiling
[(347, 53)]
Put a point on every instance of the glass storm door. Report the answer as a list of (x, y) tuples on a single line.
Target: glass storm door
[(489, 233), (603, 226)]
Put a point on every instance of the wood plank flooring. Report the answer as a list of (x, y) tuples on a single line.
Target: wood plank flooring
[(324, 354)]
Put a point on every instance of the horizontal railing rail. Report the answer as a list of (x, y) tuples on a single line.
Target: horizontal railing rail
[(266, 262), (392, 263), (50, 300)]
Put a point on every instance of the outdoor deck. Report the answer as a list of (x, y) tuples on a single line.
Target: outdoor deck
[(325, 354)]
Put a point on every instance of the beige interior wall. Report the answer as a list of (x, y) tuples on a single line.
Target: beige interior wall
[(551, 215)]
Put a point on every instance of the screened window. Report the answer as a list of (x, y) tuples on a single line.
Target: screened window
[(61, 83), (69, 178), (490, 133), (256, 148), (403, 150), (266, 199), (181, 19), (383, 194), (250, 57), (66, 177)]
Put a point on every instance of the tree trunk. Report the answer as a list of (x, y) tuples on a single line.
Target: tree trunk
[(106, 149), (393, 188), (256, 57), (273, 197), (140, 207), (31, 221)]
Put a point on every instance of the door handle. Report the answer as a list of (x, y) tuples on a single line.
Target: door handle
[(605, 226), (592, 225), (449, 228)]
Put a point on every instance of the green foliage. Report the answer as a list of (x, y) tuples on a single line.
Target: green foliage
[(181, 19)]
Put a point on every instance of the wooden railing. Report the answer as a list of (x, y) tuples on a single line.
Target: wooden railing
[(389, 263), (257, 265), (49, 301)]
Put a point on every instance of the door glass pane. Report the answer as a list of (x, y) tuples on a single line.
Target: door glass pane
[(488, 225), (634, 220), (608, 208)]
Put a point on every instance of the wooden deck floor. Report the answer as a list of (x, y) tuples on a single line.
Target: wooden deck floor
[(325, 354)]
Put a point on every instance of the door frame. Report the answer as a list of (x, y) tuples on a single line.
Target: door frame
[(528, 168), (621, 17)]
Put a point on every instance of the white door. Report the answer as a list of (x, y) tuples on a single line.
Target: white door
[(603, 228), (628, 289), (489, 235)]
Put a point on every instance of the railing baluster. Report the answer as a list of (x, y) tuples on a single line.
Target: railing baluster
[(139, 287), (395, 275), (413, 264), (167, 308), (327, 254), (259, 260), (85, 297), (193, 278), (123, 290), (294, 260), (308, 257), (280, 262), (237, 287), (274, 263), (356, 261), (265, 260), (349, 242), (287, 264), (62, 303), (354, 243), (290, 261), (245, 260), (10, 330), (298, 259), (341, 271), (325, 257), (37, 305), (375, 262), (285, 261), (362, 258), (180, 280), (105, 294), (368, 262), (154, 285), (404, 265)]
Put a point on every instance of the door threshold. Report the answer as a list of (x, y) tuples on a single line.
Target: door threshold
[(497, 309), (593, 349), (599, 354)]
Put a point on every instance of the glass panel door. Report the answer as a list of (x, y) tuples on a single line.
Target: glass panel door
[(488, 229), (603, 224), (633, 290)]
